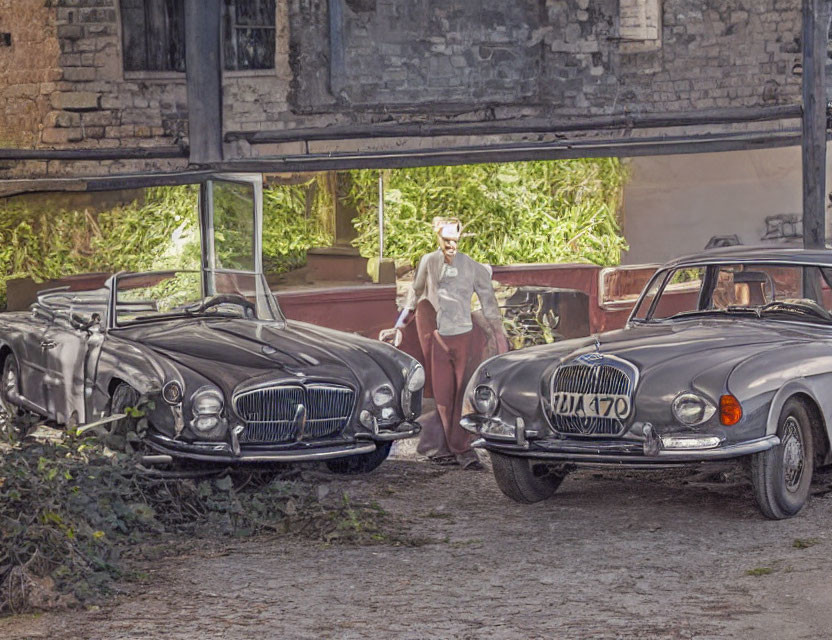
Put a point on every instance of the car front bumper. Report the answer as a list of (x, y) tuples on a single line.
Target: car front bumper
[(303, 451), (622, 453)]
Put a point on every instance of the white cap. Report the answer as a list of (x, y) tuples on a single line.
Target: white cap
[(449, 231)]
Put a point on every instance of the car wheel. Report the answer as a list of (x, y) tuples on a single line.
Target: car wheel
[(123, 396), (525, 480), (9, 382), (362, 463), (782, 476)]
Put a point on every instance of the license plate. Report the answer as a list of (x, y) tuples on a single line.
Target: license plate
[(591, 405)]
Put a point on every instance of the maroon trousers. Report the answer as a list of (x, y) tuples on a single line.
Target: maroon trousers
[(449, 361), (446, 369)]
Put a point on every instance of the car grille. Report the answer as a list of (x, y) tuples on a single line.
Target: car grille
[(271, 414), (598, 374)]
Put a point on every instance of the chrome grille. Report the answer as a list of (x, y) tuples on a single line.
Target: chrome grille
[(597, 374), (272, 414)]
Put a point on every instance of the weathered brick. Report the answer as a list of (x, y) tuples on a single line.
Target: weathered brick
[(79, 74), (60, 136), (76, 101)]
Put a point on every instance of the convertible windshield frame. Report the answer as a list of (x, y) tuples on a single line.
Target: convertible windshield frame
[(663, 277), (265, 305)]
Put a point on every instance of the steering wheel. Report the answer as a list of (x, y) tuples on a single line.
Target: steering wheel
[(806, 305), (222, 298)]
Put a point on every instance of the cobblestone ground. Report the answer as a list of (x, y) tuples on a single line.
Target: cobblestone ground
[(612, 555)]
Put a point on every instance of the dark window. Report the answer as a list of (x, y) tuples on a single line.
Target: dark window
[(248, 34), (153, 35)]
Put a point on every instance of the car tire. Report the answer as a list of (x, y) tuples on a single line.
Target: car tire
[(782, 476), (362, 463), (524, 480), (10, 378), (123, 396)]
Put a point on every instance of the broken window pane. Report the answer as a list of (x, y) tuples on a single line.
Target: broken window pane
[(153, 35), (248, 34)]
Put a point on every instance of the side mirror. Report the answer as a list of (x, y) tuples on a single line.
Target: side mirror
[(82, 321)]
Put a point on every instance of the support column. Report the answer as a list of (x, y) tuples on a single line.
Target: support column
[(815, 33), (204, 76)]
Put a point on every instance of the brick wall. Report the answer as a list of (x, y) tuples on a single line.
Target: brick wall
[(62, 83), (569, 56), (28, 70)]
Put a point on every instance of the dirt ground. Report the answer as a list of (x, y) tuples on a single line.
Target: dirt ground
[(611, 555)]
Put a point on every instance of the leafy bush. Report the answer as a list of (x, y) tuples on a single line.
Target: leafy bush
[(73, 513), (292, 223), (547, 211), (45, 243)]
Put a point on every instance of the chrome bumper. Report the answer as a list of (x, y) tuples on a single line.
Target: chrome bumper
[(403, 430), (621, 453), (223, 452)]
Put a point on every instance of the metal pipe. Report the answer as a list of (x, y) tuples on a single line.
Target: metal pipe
[(514, 152), (380, 216), (521, 125), (132, 153)]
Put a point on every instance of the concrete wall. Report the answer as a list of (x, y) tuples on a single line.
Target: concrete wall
[(674, 204)]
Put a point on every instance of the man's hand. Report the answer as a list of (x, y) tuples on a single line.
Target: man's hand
[(391, 336)]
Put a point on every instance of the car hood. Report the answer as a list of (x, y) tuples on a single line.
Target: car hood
[(650, 346), (231, 351)]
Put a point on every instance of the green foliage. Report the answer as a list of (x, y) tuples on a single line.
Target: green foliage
[(162, 232), (46, 243), (73, 512), (292, 223), (547, 211)]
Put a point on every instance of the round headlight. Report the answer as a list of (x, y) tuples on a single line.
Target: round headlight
[(172, 392), (207, 402), (416, 378), (383, 396), (691, 408), (485, 400)]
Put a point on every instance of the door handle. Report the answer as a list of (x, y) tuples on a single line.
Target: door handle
[(48, 344)]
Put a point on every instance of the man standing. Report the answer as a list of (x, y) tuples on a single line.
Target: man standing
[(446, 280)]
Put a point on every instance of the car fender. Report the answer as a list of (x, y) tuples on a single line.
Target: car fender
[(124, 361), (803, 386)]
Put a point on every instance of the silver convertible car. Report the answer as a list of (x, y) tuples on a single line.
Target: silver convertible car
[(727, 354), (224, 376)]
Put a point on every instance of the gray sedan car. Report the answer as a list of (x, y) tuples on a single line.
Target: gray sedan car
[(727, 354)]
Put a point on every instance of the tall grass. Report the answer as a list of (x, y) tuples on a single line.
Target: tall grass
[(547, 211)]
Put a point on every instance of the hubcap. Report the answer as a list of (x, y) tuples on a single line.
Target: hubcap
[(793, 456), (9, 386)]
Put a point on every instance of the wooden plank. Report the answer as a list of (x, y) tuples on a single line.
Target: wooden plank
[(815, 34), (204, 78)]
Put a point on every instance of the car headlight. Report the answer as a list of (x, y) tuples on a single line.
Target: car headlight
[(207, 405), (484, 400), (416, 378), (691, 408), (383, 396)]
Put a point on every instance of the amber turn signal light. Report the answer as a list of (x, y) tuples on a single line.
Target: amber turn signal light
[(730, 410)]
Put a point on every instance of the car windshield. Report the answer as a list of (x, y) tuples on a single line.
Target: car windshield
[(758, 290), (141, 297)]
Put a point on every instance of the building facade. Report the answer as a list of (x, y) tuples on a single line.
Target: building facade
[(110, 76)]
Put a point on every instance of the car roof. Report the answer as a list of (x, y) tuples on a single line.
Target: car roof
[(742, 253)]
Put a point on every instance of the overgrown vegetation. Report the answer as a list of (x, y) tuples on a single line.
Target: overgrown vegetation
[(564, 211), (159, 233), (73, 514), (47, 243), (292, 223)]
